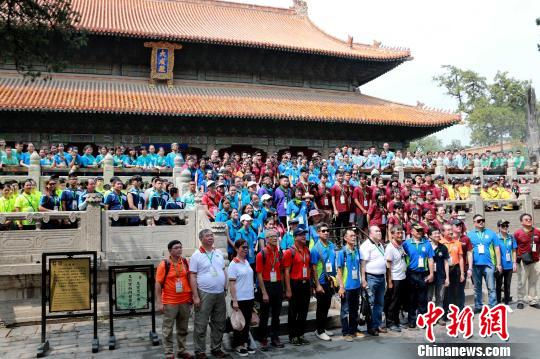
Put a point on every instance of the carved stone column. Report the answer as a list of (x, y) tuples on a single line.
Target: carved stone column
[(477, 170), (440, 168), (528, 205), (108, 168), (511, 170), (478, 204), (34, 170), (398, 167), (92, 222)]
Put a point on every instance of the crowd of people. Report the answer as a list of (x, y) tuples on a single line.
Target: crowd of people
[(401, 274)]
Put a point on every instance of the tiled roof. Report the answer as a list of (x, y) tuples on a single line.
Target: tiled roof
[(219, 22), (83, 93)]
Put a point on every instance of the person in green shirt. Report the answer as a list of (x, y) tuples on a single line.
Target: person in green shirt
[(26, 202), (7, 202), (519, 161), (2, 147), (9, 158), (485, 162)]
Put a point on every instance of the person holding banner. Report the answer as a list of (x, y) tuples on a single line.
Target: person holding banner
[(174, 299)]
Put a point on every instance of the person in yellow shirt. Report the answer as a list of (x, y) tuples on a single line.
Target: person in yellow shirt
[(27, 202), (6, 204), (465, 189), (506, 193)]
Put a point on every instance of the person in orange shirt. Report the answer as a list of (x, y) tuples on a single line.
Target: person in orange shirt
[(174, 299), (456, 267)]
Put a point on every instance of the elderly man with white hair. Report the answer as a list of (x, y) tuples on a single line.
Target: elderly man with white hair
[(373, 277)]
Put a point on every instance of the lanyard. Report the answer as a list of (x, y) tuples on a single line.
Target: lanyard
[(209, 257), (377, 245), (275, 258), (119, 198), (176, 269), (303, 255), (29, 202)]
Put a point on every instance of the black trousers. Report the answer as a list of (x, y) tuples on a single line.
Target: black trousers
[(323, 305), (298, 307), (417, 288), (342, 220), (506, 277), (452, 294), (393, 301), (241, 337), (275, 299)]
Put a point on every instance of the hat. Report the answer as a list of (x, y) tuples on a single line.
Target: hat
[(457, 222), (265, 197), (418, 227), (221, 184), (374, 172), (514, 179), (246, 217), (299, 231), (429, 192), (439, 177), (314, 212), (307, 195), (500, 222), (294, 221), (210, 183), (251, 183)]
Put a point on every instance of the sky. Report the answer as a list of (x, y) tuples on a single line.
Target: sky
[(480, 35)]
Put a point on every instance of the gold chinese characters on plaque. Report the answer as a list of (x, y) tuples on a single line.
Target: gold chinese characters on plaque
[(69, 284), (162, 61)]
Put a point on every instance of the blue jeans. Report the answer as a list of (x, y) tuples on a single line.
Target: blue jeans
[(349, 312), (376, 287), (486, 272)]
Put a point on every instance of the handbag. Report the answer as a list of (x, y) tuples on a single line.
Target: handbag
[(527, 256), (254, 318), (364, 315), (237, 320)]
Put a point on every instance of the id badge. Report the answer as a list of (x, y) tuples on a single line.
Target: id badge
[(56, 208), (74, 204), (365, 203), (328, 267), (354, 274), (450, 260), (481, 249), (326, 201), (179, 287), (285, 204), (351, 217), (304, 272), (508, 258), (420, 262), (273, 276), (342, 199), (534, 247), (139, 205), (434, 266), (159, 208), (384, 219), (300, 220)]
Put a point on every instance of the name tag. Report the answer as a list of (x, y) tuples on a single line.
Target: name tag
[(304, 272), (284, 204), (56, 208), (354, 274), (326, 201), (508, 257), (351, 217), (139, 205), (159, 208), (365, 203), (179, 287), (273, 276), (300, 220), (74, 204), (481, 249), (534, 247), (434, 266), (328, 266), (420, 262), (342, 199), (384, 219)]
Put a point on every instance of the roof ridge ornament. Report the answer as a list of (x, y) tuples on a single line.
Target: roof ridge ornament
[(300, 7)]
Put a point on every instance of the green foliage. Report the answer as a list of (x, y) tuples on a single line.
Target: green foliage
[(38, 35), (454, 145), (426, 144), (495, 111)]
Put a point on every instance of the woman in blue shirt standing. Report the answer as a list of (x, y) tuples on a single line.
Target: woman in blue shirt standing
[(507, 245)]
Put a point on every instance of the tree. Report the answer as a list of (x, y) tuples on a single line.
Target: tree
[(38, 35), (426, 144), (495, 111), (454, 145)]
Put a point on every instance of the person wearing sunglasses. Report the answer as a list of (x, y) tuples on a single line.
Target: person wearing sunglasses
[(482, 262), (507, 245), (528, 250)]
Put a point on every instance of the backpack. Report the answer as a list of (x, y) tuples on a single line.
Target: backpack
[(168, 268), (263, 253)]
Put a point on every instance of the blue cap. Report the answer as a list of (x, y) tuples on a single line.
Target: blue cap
[(300, 230)]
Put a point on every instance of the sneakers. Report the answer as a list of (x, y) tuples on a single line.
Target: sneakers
[(323, 336), (383, 330), (264, 345), (329, 333), (394, 328), (241, 351), (295, 341), (520, 306), (348, 338), (359, 335), (218, 353), (251, 350), (373, 332), (537, 306), (276, 343), (303, 341)]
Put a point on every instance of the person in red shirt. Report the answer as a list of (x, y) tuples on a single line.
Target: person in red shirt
[(428, 184), (324, 199), (406, 189), (442, 191), (412, 204), (429, 203), (528, 250), (174, 298), (297, 274), (268, 265), (378, 213), (396, 218), (458, 232), (341, 202), (211, 200), (361, 200)]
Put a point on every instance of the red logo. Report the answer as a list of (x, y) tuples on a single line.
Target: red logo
[(429, 319), (494, 321), (460, 322)]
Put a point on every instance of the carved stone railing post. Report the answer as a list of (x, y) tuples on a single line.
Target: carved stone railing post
[(108, 168), (398, 168), (477, 170), (478, 204), (528, 204), (34, 170), (511, 170), (93, 222), (440, 168)]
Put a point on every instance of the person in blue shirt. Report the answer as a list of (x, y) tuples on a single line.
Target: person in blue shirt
[(69, 198), (172, 155), (159, 160), (115, 200), (90, 188), (483, 256), (248, 234), (100, 158), (323, 262), (61, 159), (507, 246), (225, 209), (50, 202), (288, 239), (419, 272), (233, 225), (135, 199), (312, 235), (349, 280), (144, 161), (174, 202), (25, 156), (87, 159), (294, 206)]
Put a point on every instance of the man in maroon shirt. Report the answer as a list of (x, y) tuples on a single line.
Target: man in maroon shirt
[(428, 185), (341, 201), (406, 189), (528, 250), (429, 204), (324, 199), (361, 202), (458, 231)]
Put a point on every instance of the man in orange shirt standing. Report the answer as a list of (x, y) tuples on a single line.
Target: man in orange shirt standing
[(173, 295), (456, 265)]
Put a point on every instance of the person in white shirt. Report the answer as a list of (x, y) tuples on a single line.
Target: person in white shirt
[(208, 281), (396, 268), (373, 271)]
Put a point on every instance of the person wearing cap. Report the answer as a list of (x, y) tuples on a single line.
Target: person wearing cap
[(269, 267), (210, 200), (528, 259), (267, 209), (288, 238), (441, 192), (419, 272), (323, 262), (282, 196), (507, 246), (314, 219), (373, 277), (396, 265), (465, 189), (297, 274), (482, 264), (514, 187), (456, 265), (437, 288), (519, 161), (246, 195), (248, 234)]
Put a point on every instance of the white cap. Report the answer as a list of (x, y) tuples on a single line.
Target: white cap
[(210, 183), (251, 183), (265, 197), (246, 217)]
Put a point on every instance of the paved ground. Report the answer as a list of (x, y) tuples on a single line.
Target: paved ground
[(73, 340)]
